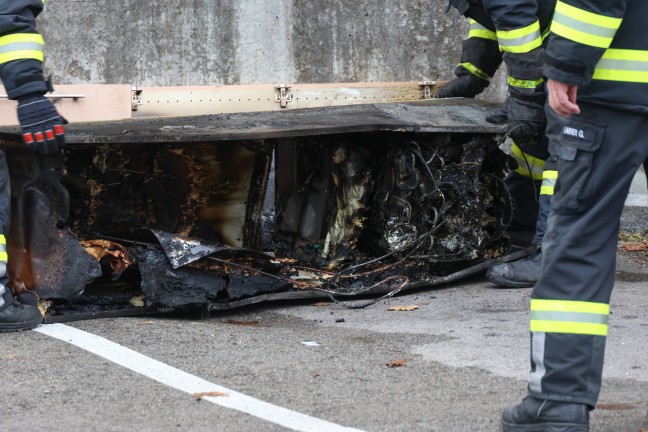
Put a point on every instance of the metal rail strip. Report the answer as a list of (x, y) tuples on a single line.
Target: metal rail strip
[(108, 102)]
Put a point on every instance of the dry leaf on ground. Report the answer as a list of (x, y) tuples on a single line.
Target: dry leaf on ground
[(403, 308), (635, 247), (207, 394), (321, 304), (613, 406), (396, 363)]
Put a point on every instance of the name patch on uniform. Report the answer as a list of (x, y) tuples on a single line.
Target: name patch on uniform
[(574, 132)]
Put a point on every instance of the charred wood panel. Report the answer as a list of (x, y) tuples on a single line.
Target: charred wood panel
[(203, 190)]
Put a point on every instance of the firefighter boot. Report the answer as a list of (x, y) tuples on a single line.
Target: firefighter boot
[(519, 274), (537, 415), (16, 316), (29, 298)]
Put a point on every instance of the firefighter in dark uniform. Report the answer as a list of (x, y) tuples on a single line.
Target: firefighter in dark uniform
[(513, 32), (596, 63), (21, 71)]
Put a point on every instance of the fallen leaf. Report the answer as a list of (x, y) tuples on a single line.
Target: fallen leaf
[(207, 394), (615, 406), (321, 304), (635, 247), (396, 363), (403, 308)]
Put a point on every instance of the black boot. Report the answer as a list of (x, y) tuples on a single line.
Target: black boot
[(16, 316), (29, 298), (536, 415), (519, 274)]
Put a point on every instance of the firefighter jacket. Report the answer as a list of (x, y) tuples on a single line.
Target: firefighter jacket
[(515, 28), (21, 48), (602, 47)]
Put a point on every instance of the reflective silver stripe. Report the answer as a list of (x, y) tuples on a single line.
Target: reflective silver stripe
[(625, 65), (474, 25), (522, 40), (21, 46), (569, 317), (583, 26), (537, 354), (2, 291), (479, 31), (549, 182)]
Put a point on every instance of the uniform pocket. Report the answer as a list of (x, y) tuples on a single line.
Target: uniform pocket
[(574, 147)]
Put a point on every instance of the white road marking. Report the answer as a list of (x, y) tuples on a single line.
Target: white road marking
[(188, 383)]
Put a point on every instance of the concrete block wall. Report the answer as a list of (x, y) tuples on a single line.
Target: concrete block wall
[(224, 42)]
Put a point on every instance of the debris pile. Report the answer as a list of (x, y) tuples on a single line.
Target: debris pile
[(149, 228)]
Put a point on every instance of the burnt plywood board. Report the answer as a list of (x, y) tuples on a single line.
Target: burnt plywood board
[(437, 115)]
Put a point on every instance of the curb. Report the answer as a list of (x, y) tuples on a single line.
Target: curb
[(635, 212)]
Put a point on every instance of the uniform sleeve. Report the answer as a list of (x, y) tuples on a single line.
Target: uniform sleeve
[(480, 53), (21, 48), (581, 31)]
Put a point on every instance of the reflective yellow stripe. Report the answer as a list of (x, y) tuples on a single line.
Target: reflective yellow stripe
[(528, 166), (570, 306), (584, 27), (573, 317), (520, 40), (588, 17), (20, 46), (3, 249), (569, 327), (479, 31), (524, 83), (549, 178), (547, 190), (474, 70), (623, 65), (22, 37), (22, 55), (550, 174)]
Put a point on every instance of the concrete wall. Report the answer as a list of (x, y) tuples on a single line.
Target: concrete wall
[(222, 42)]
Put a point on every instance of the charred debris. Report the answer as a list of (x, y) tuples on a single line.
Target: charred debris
[(110, 228)]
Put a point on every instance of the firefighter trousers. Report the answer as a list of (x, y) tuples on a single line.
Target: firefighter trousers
[(598, 153), (5, 207)]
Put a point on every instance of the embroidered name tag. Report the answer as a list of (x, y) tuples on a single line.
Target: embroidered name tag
[(574, 132)]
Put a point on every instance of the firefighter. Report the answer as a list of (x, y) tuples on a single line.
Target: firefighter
[(21, 71), (525, 273), (597, 127), (513, 32)]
